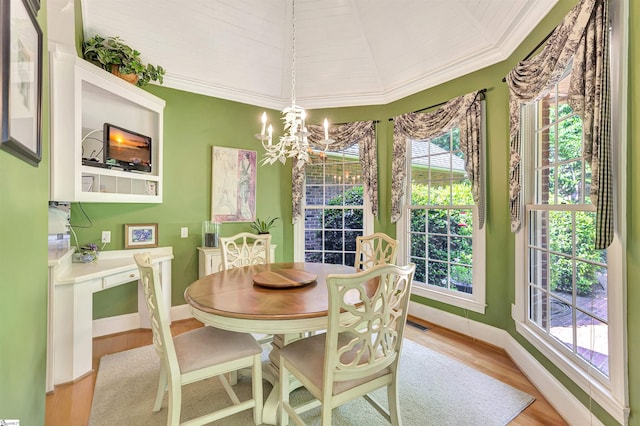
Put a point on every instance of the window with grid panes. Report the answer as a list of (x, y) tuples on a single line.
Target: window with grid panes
[(334, 207), (568, 278), (440, 230), (570, 300)]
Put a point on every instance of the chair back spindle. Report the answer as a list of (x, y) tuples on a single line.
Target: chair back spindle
[(245, 249), (374, 249)]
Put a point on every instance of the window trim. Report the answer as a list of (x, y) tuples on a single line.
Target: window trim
[(613, 396), (475, 302)]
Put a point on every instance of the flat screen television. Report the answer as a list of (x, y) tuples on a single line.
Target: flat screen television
[(126, 149)]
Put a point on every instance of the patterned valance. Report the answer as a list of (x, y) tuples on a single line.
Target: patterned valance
[(584, 37), (362, 133), (465, 112)]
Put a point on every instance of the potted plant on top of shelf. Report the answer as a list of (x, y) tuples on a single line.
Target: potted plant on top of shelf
[(263, 226), (112, 55)]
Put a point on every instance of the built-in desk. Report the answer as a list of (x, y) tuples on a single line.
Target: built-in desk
[(71, 288)]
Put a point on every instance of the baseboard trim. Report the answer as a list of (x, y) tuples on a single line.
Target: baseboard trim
[(564, 402), (115, 324), (127, 322), (180, 312)]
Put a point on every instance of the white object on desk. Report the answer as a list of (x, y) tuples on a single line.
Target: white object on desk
[(210, 259), (71, 288)]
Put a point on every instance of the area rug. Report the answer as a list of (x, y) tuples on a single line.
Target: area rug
[(434, 390)]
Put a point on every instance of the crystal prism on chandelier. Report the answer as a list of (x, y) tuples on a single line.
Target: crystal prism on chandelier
[(294, 142)]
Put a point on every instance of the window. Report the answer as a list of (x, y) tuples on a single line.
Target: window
[(568, 294), (439, 228), (334, 207), (567, 288)]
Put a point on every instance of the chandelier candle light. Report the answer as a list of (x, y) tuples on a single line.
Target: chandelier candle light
[(293, 143)]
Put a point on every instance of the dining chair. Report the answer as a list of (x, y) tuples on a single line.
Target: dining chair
[(374, 249), (197, 355), (245, 249), (361, 348)]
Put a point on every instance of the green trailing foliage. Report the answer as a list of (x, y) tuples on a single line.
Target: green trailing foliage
[(112, 51)]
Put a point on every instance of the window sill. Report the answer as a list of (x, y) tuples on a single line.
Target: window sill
[(449, 297)]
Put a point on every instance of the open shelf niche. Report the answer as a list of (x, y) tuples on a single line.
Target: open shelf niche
[(83, 98)]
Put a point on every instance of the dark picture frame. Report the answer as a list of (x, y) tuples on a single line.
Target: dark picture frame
[(21, 88)]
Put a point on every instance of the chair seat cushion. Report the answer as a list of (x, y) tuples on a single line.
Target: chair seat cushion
[(207, 346), (307, 355)]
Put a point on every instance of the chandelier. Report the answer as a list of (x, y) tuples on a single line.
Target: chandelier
[(294, 142)]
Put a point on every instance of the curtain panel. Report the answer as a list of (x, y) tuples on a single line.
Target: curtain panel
[(362, 133), (464, 111), (584, 37)]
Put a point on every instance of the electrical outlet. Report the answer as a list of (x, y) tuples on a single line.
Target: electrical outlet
[(106, 236), (184, 232)]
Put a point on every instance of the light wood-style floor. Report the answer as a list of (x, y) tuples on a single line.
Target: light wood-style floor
[(70, 404)]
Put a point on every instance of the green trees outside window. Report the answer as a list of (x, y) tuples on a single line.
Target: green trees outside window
[(565, 179), (342, 226), (441, 238)]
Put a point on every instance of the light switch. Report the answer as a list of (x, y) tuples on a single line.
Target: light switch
[(184, 232)]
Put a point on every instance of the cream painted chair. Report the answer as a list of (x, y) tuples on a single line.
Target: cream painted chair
[(197, 355), (374, 249), (356, 356), (245, 249)]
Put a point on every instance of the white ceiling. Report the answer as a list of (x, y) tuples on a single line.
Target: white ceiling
[(348, 52)]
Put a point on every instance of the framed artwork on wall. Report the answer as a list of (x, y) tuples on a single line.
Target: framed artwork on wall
[(21, 59), (140, 235), (233, 185)]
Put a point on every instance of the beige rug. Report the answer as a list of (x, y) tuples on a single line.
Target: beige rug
[(434, 390)]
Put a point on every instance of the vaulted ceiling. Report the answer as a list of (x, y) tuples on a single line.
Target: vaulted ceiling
[(348, 52)]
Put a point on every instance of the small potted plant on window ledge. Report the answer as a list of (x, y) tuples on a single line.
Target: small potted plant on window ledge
[(112, 55), (263, 226)]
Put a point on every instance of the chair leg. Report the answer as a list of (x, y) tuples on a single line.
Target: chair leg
[(326, 413), (233, 378), (394, 404), (284, 394), (257, 389), (162, 387), (175, 404)]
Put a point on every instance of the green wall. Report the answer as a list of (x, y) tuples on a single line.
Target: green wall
[(24, 194), (193, 124)]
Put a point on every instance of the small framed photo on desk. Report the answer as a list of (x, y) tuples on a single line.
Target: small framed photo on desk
[(140, 235)]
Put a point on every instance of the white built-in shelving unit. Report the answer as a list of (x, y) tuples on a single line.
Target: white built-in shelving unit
[(83, 98)]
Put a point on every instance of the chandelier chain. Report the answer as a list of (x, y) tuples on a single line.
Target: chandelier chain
[(293, 53), (294, 141)]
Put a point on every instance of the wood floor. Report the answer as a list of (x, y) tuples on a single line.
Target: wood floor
[(70, 404)]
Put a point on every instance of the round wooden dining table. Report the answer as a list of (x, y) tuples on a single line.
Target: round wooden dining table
[(232, 300)]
